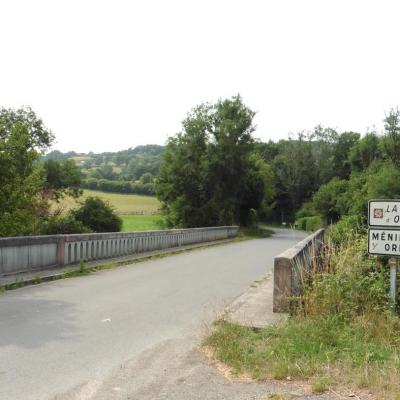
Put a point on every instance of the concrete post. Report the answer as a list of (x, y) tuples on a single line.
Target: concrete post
[(282, 284), (61, 251)]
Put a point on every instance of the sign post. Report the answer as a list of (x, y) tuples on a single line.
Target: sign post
[(384, 236), (393, 278)]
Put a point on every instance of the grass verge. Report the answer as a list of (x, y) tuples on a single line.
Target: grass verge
[(329, 352), (342, 333)]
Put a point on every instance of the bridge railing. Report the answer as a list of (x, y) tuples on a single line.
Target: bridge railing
[(35, 253), (294, 265)]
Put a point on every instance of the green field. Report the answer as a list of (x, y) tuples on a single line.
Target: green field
[(138, 213), (123, 203), (141, 222)]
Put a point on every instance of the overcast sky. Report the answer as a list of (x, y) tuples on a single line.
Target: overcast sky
[(108, 75)]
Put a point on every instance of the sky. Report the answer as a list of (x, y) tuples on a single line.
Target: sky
[(109, 75)]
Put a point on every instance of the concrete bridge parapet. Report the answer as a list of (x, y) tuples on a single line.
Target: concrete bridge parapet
[(35, 253), (292, 266)]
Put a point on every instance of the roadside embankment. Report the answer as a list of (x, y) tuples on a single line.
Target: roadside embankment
[(342, 337)]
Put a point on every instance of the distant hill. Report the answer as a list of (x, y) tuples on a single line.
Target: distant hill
[(126, 171), (58, 155)]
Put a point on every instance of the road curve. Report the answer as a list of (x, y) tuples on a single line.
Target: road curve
[(63, 339)]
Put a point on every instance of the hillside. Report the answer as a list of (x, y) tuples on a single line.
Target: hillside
[(126, 171)]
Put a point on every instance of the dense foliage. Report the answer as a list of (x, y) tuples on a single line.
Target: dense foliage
[(209, 175), (97, 215), (327, 174), (213, 172), (107, 185), (63, 178), (93, 215), (22, 137)]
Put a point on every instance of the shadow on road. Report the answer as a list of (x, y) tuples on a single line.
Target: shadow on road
[(48, 321)]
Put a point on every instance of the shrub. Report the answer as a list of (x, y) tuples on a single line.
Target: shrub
[(306, 210), (347, 228), (67, 224), (98, 215), (309, 224), (328, 200), (301, 223), (342, 333), (351, 284), (313, 223)]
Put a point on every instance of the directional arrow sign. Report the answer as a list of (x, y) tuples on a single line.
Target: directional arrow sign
[(384, 213), (384, 242)]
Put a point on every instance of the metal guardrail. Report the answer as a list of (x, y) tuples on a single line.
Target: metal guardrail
[(35, 253), (292, 265)]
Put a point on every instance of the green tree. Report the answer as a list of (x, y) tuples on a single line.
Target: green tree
[(22, 137), (364, 152), (39, 138), (380, 181), (391, 139), (98, 215), (260, 190), (62, 179), (328, 200), (267, 151), (147, 178), (341, 153), (384, 182), (208, 175), (57, 224), (324, 141), (295, 176), (181, 181)]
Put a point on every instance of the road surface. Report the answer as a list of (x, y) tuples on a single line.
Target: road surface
[(120, 333)]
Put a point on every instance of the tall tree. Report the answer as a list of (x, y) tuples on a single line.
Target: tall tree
[(364, 152), (22, 137), (207, 176), (391, 139), (324, 141), (341, 163), (181, 181), (62, 179), (295, 176)]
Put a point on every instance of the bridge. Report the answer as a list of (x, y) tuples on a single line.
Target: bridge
[(131, 332)]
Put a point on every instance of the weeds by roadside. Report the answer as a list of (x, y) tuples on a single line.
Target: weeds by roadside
[(37, 279), (342, 331), (19, 282), (81, 266)]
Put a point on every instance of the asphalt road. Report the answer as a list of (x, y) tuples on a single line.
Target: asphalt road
[(79, 338)]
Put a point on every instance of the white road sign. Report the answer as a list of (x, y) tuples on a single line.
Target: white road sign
[(384, 213), (384, 242)]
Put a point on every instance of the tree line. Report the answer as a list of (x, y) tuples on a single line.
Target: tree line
[(213, 172), (113, 186)]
